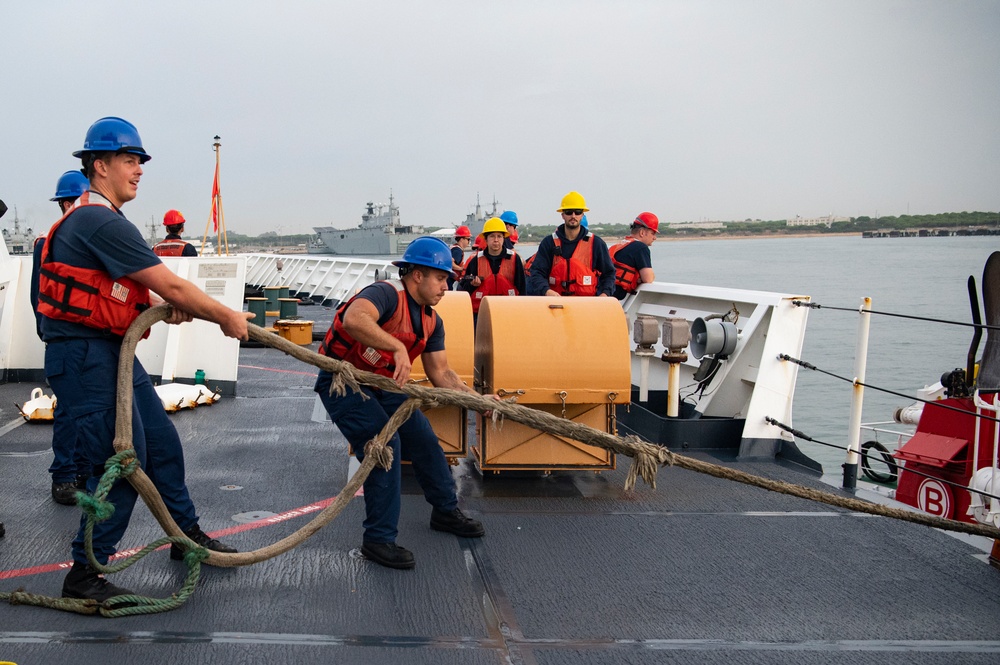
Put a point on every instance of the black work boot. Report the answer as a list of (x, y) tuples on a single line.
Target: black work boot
[(83, 581), (200, 538), (389, 555), (456, 522), (64, 493)]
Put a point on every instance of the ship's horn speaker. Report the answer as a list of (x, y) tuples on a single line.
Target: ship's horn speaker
[(713, 337)]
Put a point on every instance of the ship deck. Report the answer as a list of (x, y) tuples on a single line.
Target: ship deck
[(572, 569)]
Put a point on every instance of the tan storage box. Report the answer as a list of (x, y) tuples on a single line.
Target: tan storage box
[(450, 423), (566, 356), (295, 331)]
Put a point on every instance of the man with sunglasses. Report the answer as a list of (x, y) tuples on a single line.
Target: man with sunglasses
[(572, 261)]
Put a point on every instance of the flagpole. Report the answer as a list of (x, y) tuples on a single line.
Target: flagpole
[(212, 213)]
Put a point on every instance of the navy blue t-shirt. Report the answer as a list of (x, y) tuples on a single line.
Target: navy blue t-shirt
[(457, 256), (97, 238), (635, 254), (384, 296)]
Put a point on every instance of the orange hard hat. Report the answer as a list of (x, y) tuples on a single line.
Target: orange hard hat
[(173, 218), (463, 232)]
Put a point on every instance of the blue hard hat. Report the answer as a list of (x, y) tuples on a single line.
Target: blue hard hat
[(583, 221), (427, 251), (509, 217), (71, 185), (113, 135)]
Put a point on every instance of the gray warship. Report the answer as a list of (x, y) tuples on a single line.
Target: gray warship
[(18, 242), (380, 234)]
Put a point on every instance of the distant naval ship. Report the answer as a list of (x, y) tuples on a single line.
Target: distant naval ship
[(380, 234), (18, 242)]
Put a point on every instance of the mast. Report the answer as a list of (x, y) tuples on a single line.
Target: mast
[(217, 219), (152, 231)]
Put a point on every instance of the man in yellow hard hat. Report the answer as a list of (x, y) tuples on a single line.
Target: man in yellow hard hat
[(572, 261), (497, 271)]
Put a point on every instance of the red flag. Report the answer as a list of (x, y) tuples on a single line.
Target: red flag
[(215, 200)]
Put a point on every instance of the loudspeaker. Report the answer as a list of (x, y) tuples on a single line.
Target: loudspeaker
[(713, 337)]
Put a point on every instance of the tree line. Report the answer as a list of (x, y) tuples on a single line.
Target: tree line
[(534, 233)]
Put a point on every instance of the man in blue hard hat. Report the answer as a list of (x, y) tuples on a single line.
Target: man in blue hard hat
[(67, 471), (509, 218), (96, 274), (383, 329)]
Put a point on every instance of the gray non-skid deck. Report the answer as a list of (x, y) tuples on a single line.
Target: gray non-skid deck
[(572, 569)]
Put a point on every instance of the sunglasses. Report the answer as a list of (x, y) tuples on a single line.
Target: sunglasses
[(572, 212)]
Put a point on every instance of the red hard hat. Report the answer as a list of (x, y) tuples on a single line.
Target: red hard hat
[(480, 242), (463, 232), (513, 237), (649, 220), (172, 218)]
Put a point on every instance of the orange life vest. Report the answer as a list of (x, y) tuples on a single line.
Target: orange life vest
[(626, 277), (169, 248), (458, 271), (338, 344), (575, 277), (500, 284), (84, 295)]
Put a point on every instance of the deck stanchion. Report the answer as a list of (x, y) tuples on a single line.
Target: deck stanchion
[(858, 396)]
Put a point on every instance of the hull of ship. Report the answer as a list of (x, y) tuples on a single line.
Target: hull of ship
[(362, 242)]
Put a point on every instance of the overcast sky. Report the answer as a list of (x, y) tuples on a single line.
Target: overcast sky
[(723, 110)]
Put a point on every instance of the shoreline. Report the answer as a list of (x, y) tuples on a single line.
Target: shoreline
[(611, 240)]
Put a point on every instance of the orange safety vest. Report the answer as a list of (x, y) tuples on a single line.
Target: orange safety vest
[(338, 344), (626, 276), (500, 284), (169, 248), (580, 278), (459, 271), (84, 295)]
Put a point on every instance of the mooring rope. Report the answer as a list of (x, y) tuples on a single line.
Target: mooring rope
[(862, 310), (647, 459)]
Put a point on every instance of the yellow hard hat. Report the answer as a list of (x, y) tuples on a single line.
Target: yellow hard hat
[(573, 201), (494, 225)]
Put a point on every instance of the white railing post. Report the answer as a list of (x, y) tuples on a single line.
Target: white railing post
[(858, 397)]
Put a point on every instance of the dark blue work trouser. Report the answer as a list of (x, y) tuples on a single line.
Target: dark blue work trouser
[(83, 373), (66, 462), (359, 420)]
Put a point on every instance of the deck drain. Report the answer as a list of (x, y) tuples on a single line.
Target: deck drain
[(231, 488), (252, 516)]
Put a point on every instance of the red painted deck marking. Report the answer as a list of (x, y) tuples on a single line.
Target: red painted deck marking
[(257, 524)]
